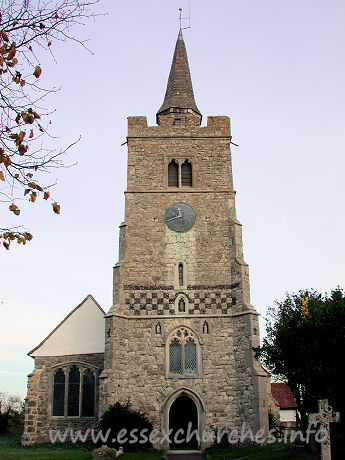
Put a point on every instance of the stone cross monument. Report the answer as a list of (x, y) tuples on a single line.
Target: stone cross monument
[(324, 417)]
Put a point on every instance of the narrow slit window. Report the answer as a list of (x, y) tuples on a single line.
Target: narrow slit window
[(206, 328), (186, 174), (181, 306), (59, 393), (180, 274), (73, 392), (158, 328), (173, 174)]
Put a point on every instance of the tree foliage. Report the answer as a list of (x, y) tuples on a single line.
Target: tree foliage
[(305, 346), (11, 413), (29, 28)]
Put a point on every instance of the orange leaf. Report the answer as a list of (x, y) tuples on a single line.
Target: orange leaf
[(2, 176), (27, 190), (7, 245), (36, 115), (37, 71), (23, 149), (4, 36), (46, 195), (11, 52), (33, 197), (22, 83), (56, 208), (18, 118), (29, 175), (31, 134)]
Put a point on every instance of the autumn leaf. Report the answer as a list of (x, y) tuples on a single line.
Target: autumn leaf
[(27, 190), (37, 71), (16, 176), (4, 36), (27, 236), (7, 246), (11, 52), (1, 61), (36, 115), (42, 26), (14, 61), (46, 195), (56, 16), (56, 208), (14, 209), (29, 175), (49, 43), (2, 176), (31, 134), (22, 83), (18, 118), (23, 149), (33, 197)]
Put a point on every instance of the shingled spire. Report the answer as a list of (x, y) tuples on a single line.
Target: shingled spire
[(179, 96)]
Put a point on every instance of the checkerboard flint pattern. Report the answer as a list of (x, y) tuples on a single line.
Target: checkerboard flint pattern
[(163, 302)]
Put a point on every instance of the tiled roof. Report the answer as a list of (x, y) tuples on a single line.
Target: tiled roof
[(282, 393)]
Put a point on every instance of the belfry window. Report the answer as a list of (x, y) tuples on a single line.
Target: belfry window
[(183, 353), (173, 174), (70, 385), (180, 173), (186, 174)]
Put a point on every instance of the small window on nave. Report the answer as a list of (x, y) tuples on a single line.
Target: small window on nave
[(205, 328)]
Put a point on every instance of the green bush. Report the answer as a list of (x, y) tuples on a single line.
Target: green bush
[(121, 417)]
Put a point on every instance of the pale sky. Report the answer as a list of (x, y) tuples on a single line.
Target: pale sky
[(277, 68)]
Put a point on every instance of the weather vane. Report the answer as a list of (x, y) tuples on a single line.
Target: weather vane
[(181, 18)]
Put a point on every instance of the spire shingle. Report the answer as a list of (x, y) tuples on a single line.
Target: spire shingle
[(179, 96)]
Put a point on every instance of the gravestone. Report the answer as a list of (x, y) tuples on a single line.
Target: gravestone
[(323, 418)]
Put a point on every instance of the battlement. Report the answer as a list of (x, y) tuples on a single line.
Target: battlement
[(217, 126)]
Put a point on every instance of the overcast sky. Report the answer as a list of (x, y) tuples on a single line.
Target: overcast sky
[(277, 68)]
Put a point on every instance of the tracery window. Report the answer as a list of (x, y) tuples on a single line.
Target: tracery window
[(74, 391), (183, 353)]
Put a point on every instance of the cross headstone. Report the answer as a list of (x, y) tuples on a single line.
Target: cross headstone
[(324, 417)]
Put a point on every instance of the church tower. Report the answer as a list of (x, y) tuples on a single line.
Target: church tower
[(180, 333)]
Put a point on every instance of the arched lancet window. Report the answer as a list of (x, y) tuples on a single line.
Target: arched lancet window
[(88, 401), (173, 174), (181, 305), (73, 391), (175, 357), (158, 328), (180, 274), (190, 363), (59, 393), (183, 353), (205, 328), (186, 174)]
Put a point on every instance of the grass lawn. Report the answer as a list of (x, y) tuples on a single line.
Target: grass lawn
[(270, 452), (10, 449)]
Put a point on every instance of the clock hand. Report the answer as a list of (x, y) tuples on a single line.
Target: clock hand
[(175, 217)]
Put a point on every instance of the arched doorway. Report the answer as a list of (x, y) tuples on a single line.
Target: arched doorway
[(183, 420)]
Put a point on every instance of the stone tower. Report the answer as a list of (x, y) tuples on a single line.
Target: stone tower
[(180, 333)]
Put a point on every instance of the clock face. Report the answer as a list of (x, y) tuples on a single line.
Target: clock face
[(180, 217)]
